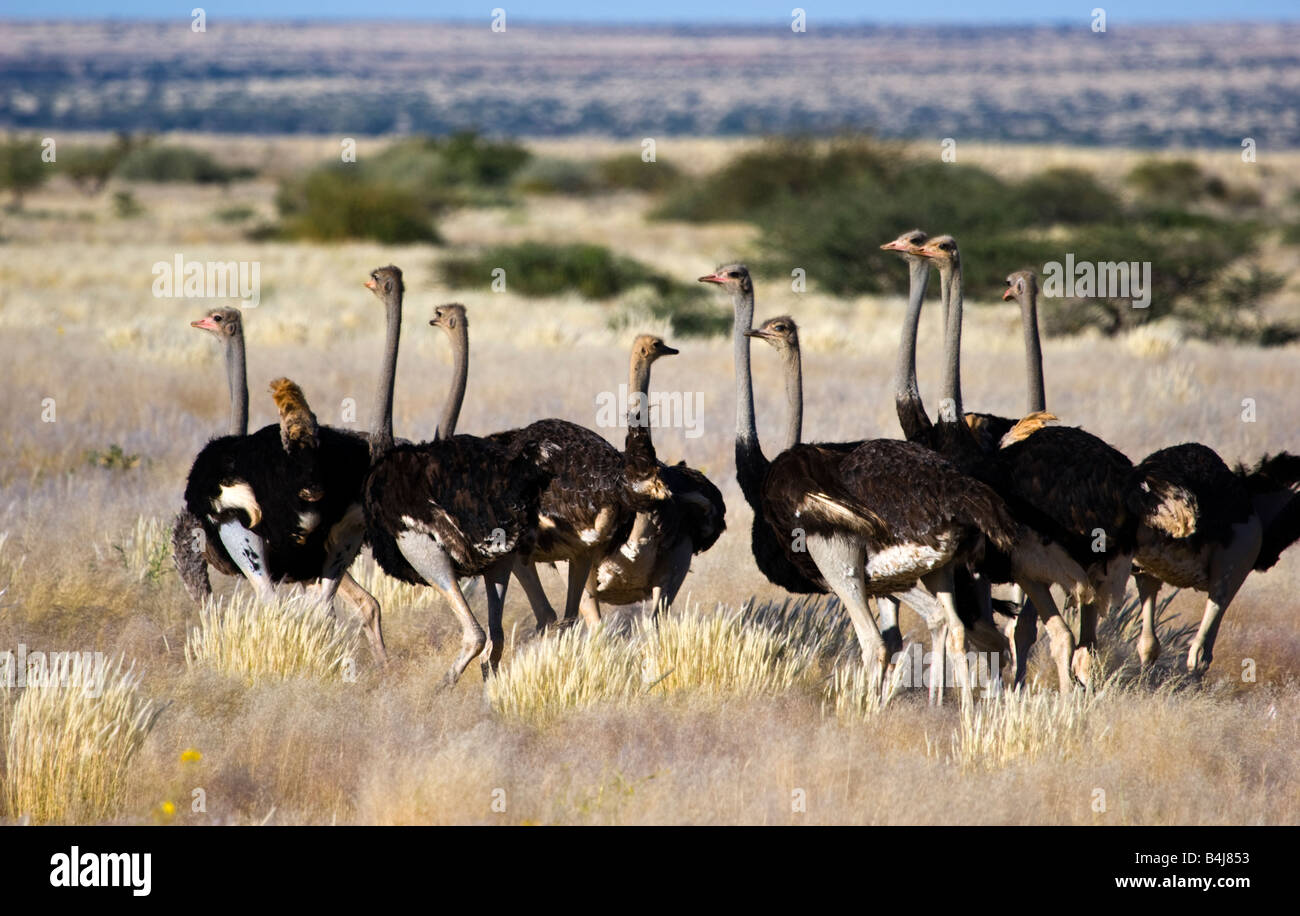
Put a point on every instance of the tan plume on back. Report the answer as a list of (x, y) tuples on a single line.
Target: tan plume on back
[(297, 422), (1027, 426)]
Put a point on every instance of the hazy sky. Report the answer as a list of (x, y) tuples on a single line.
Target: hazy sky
[(972, 11)]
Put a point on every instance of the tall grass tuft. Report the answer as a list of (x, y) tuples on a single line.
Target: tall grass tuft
[(1027, 725), (291, 638), (688, 652), (68, 748), (572, 670), (718, 654), (146, 550)]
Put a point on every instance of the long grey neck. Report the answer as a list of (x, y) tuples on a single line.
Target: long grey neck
[(237, 376), (794, 394), (905, 387), (950, 410), (1033, 352), (746, 428), (381, 431), (459, 378)]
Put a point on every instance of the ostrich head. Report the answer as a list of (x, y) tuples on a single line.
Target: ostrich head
[(647, 348), (942, 249), (1021, 285), (780, 332), (907, 244), (225, 323), (385, 282), (734, 278), (449, 317)]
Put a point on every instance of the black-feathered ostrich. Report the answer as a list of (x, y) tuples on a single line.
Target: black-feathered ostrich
[(1067, 485), (782, 333), (455, 507), (1207, 527), (875, 517), (238, 479)]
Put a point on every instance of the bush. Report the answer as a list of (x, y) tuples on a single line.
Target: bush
[(337, 203), (177, 163), (90, 167), (1066, 195), (629, 172), (539, 269), (1174, 181), (396, 195), (21, 168), (558, 176)]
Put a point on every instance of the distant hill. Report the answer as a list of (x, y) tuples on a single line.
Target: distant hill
[(1147, 86)]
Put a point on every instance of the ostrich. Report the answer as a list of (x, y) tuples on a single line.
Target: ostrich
[(661, 540), (874, 517), (247, 493), (989, 430), (782, 333), (191, 551), (656, 556), (455, 507), (1206, 527), (1069, 486), (587, 509)]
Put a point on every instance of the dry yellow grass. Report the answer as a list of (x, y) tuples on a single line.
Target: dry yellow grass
[(292, 638), (69, 743), (79, 544)]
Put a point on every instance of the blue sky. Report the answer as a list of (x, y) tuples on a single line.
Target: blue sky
[(885, 11)]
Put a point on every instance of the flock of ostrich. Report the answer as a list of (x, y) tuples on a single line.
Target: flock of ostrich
[(963, 502)]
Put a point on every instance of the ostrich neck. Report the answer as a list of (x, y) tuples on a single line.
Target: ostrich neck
[(907, 396), (952, 411), (794, 394), (381, 432), (1033, 353), (638, 408), (750, 462), (237, 376), (459, 378)]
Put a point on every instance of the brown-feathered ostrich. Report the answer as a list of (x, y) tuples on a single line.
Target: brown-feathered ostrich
[(248, 494), (655, 557), (1067, 485), (454, 507), (1207, 527), (861, 519), (652, 562), (587, 509)]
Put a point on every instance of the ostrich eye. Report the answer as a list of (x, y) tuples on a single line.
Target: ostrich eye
[(217, 319), (735, 275)]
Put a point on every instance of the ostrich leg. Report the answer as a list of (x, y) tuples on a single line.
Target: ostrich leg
[(436, 568), (365, 604), (248, 550), (1148, 646), (1228, 570)]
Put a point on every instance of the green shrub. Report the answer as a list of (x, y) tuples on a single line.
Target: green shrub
[(1067, 195), (177, 163), (558, 176), (335, 203), (1175, 181), (90, 167), (539, 269), (22, 169), (630, 172)]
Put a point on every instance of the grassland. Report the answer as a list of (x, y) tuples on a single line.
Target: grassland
[(779, 718)]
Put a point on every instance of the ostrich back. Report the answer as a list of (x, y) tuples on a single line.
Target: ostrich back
[(588, 501), (478, 500), (1069, 486)]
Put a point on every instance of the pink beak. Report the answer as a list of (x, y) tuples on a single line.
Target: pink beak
[(370, 284), (895, 245), (1008, 293), (206, 324), (713, 278)]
